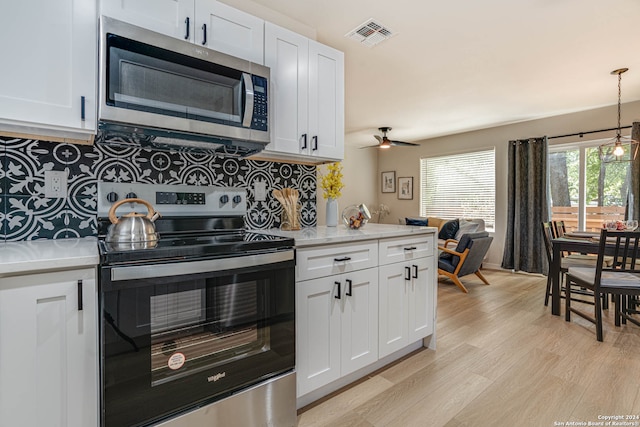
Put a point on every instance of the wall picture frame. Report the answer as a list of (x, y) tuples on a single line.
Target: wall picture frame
[(388, 182), (405, 188)]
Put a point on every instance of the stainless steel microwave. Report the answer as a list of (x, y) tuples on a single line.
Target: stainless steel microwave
[(165, 92)]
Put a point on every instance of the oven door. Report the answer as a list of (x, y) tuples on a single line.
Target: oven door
[(178, 336)]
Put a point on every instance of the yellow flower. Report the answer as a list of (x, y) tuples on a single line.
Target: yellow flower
[(331, 182)]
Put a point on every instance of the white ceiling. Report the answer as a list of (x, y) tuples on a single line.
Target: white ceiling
[(455, 66)]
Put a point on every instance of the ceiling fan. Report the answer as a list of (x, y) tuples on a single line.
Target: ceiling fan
[(384, 142)]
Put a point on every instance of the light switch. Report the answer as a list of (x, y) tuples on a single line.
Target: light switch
[(260, 191)]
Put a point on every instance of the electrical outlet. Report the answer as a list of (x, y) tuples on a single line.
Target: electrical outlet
[(55, 184)]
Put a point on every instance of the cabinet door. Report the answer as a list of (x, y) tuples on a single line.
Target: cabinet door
[(287, 54), (167, 17), (394, 288), (359, 324), (48, 351), (317, 333), (48, 51), (230, 31), (326, 101), (421, 298)]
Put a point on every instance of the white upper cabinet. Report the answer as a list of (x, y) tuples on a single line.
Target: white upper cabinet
[(326, 101), (48, 52), (171, 17), (205, 22), (307, 96), (228, 30), (287, 54)]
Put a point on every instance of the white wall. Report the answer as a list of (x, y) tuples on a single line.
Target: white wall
[(360, 169), (406, 161)]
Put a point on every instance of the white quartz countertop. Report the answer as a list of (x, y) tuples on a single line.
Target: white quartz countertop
[(321, 235), (35, 256)]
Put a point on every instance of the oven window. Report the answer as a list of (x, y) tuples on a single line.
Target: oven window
[(198, 329)]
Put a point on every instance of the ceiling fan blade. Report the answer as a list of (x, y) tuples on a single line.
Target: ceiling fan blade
[(403, 144), (378, 137)]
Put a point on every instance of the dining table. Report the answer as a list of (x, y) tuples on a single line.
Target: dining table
[(583, 242)]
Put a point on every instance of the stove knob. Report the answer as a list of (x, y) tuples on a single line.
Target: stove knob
[(237, 199), (132, 195), (112, 197), (224, 199)]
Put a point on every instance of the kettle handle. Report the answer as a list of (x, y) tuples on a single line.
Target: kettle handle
[(151, 213)]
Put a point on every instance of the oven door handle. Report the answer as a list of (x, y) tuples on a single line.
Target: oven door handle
[(192, 267)]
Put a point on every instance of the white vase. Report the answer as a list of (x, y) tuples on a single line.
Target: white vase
[(332, 212)]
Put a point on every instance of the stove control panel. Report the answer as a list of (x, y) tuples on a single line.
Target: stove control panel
[(173, 200)]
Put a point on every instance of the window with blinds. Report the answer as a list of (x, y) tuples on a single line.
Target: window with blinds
[(459, 186)]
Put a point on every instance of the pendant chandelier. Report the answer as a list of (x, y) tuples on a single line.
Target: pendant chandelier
[(619, 149)]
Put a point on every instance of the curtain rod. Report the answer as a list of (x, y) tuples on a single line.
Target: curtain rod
[(581, 134)]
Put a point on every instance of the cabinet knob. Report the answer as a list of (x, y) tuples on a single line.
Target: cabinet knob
[(204, 34), (407, 273), (186, 35), (349, 293), (304, 141), (337, 296)]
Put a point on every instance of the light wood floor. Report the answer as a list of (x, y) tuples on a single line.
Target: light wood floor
[(502, 359)]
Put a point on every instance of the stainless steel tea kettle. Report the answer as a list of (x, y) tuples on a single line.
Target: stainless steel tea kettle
[(133, 230)]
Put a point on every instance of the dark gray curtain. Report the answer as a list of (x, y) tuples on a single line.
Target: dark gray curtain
[(528, 206), (633, 208)]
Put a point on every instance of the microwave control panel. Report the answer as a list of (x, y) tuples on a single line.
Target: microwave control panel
[(260, 104)]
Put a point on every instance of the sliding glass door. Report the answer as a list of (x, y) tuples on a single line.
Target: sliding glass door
[(584, 191)]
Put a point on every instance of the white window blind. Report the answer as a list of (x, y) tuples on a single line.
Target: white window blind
[(459, 186)]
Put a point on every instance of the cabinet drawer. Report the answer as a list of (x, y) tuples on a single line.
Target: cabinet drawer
[(406, 248), (323, 261)]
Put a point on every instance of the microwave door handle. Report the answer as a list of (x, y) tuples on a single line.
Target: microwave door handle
[(248, 106)]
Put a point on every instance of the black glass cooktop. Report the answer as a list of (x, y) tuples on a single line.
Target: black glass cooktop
[(192, 247)]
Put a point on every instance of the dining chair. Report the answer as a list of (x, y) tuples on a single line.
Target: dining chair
[(620, 279), (559, 229), (548, 233)]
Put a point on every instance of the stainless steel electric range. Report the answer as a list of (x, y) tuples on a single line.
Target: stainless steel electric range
[(197, 329)]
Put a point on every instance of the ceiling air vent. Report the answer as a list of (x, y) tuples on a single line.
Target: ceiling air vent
[(370, 33)]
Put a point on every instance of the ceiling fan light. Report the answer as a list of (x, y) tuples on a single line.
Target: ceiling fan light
[(385, 144)]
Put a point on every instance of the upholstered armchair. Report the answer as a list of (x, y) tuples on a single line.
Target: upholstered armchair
[(465, 259)]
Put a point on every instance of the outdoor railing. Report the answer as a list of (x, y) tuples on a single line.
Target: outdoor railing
[(595, 216)]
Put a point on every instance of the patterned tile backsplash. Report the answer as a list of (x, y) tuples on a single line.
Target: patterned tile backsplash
[(25, 214)]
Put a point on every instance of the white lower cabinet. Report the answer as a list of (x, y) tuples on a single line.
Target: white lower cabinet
[(406, 303), (337, 328), (356, 304), (48, 350)]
